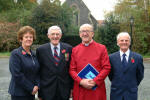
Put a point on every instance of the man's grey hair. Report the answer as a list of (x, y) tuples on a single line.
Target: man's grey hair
[(86, 25), (123, 34), (55, 27)]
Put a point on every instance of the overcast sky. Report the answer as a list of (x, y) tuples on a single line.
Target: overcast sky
[(97, 7)]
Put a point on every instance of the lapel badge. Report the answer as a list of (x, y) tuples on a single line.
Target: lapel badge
[(23, 52), (63, 51), (132, 60), (67, 56)]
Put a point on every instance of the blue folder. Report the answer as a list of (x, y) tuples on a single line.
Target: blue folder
[(88, 72)]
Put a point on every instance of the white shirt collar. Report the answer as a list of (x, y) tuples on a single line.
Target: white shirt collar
[(127, 54), (52, 46), (58, 48)]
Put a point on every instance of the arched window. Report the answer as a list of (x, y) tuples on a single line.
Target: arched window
[(75, 15)]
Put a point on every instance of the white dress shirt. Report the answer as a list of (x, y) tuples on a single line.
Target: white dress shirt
[(58, 48), (127, 55)]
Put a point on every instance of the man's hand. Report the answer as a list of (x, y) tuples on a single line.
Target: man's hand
[(87, 83), (92, 82), (40, 98), (71, 93), (35, 89)]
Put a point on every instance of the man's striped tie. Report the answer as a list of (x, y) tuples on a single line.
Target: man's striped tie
[(56, 56)]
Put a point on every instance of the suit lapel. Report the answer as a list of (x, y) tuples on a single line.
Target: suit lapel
[(61, 49), (49, 52), (120, 62), (50, 55), (118, 57)]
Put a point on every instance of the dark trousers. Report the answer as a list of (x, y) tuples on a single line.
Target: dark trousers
[(58, 97), (123, 98), (22, 98)]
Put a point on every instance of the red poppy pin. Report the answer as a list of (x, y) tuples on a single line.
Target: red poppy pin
[(132, 60), (63, 51), (23, 52)]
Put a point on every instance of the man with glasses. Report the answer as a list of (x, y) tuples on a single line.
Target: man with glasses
[(54, 60), (95, 54)]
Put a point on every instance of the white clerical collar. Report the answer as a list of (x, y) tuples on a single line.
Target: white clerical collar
[(87, 44)]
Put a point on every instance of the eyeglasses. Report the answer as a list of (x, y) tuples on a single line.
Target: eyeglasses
[(86, 31), (57, 34)]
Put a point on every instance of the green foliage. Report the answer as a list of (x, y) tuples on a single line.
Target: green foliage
[(74, 30), (12, 16), (40, 17), (47, 14), (14, 12), (6, 5), (107, 34), (124, 9), (72, 39), (4, 54)]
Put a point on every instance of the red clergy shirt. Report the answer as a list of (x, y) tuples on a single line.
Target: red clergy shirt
[(95, 54)]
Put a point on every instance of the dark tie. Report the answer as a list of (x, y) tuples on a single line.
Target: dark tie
[(124, 61), (56, 56)]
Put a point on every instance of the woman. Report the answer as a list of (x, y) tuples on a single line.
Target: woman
[(24, 67)]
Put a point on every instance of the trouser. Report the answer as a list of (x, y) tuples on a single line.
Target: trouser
[(22, 97)]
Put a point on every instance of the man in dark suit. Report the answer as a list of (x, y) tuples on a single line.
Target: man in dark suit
[(127, 70), (54, 59)]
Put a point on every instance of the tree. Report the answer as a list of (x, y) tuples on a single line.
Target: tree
[(6, 5), (107, 34), (15, 12), (124, 9), (47, 14)]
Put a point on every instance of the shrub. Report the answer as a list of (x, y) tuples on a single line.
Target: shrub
[(8, 36), (47, 14), (71, 39)]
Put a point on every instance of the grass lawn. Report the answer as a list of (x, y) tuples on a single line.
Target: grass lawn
[(146, 56), (4, 54)]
